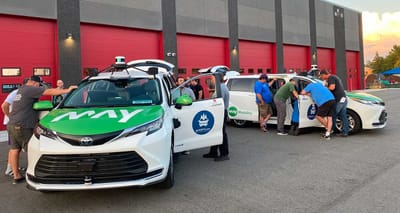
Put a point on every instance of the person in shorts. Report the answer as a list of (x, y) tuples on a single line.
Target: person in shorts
[(23, 118), (263, 100), (325, 102)]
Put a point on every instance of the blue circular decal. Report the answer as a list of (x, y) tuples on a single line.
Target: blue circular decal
[(203, 122), (312, 111)]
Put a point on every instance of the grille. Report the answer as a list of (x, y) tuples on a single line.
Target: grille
[(90, 168), (99, 139)]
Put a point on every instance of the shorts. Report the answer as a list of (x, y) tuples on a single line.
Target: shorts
[(264, 110), (19, 137), (327, 109)]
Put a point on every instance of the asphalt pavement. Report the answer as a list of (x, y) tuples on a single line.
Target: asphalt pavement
[(265, 173)]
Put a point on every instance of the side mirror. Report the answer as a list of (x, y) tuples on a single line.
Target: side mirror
[(183, 100), (43, 106)]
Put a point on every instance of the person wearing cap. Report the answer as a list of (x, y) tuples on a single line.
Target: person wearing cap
[(335, 85), (263, 100), (280, 102), (23, 118)]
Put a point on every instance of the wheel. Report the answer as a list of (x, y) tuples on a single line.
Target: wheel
[(354, 122), (240, 123), (168, 182)]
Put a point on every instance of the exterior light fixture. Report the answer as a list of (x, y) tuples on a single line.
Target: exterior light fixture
[(69, 35)]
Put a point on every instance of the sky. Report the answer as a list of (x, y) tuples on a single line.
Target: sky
[(381, 24)]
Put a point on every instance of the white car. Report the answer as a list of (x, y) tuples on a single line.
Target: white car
[(364, 111), (120, 128)]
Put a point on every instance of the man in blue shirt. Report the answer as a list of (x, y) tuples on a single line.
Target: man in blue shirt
[(263, 100), (325, 102)]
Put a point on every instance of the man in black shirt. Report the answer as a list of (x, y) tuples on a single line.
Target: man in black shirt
[(335, 85), (197, 89)]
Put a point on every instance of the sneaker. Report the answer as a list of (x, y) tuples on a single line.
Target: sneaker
[(282, 133), (9, 172), (343, 135), (326, 137), (222, 158)]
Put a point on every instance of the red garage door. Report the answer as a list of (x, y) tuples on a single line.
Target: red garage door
[(296, 58), (27, 47), (100, 44), (353, 70), (256, 57), (326, 59), (196, 52)]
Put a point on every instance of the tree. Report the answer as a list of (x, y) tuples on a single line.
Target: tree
[(381, 64)]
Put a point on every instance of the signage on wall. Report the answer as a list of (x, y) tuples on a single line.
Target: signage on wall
[(7, 88)]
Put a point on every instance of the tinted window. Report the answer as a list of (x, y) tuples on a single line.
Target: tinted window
[(242, 84)]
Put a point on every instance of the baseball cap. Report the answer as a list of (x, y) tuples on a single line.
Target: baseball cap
[(263, 76), (36, 78)]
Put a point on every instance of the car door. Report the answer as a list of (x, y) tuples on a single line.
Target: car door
[(201, 122), (242, 101), (307, 107)]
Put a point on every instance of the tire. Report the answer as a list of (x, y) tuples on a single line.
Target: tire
[(354, 122), (169, 180), (240, 123)]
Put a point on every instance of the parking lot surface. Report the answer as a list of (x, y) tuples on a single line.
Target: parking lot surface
[(265, 173)]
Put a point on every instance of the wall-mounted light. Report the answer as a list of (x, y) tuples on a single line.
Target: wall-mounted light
[(69, 35), (234, 50), (171, 54)]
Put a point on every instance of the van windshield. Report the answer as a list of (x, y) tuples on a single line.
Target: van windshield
[(115, 93)]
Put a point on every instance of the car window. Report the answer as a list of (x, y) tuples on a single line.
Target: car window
[(242, 84), (301, 84), (276, 85), (110, 93)]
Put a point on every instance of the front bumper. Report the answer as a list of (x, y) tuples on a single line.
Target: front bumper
[(137, 160)]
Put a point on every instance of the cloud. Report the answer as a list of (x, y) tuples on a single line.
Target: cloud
[(381, 32)]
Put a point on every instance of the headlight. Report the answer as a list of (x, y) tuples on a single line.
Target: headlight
[(40, 130), (150, 128)]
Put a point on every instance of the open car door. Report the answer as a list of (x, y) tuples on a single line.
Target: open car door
[(199, 123), (307, 107)]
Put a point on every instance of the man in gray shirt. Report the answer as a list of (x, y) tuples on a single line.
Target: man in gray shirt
[(223, 148), (23, 118)]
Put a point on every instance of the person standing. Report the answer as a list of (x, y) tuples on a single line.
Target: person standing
[(263, 100), (197, 89), (280, 102), (23, 118), (57, 99), (335, 85), (222, 148), (325, 102), (6, 107), (183, 90)]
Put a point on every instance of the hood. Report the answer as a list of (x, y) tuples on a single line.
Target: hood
[(364, 96), (91, 121)]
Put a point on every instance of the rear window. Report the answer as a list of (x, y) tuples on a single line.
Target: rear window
[(242, 84)]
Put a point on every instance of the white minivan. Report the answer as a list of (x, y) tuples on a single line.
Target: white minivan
[(364, 111)]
